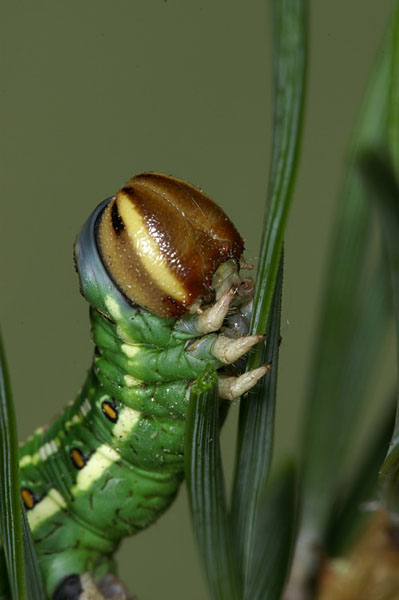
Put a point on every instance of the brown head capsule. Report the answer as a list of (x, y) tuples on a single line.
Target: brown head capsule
[(162, 239)]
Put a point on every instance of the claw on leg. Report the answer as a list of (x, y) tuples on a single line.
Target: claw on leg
[(212, 318), (245, 265), (228, 350), (231, 388)]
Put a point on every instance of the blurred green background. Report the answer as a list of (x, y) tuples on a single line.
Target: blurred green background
[(94, 92)]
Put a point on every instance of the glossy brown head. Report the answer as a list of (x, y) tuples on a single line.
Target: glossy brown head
[(162, 239)]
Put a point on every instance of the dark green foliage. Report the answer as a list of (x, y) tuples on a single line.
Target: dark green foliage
[(275, 535), (255, 444), (23, 574), (206, 490), (255, 436), (356, 499), (385, 193), (351, 334)]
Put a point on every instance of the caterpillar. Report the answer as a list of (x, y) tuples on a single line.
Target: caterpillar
[(159, 264)]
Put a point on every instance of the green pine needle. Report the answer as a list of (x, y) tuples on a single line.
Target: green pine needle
[(205, 484), (23, 572)]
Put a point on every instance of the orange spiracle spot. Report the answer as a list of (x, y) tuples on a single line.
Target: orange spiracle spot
[(28, 498), (110, 411), (77, 458)]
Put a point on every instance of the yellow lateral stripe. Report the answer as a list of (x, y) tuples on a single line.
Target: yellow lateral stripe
[(99, 462), (50, 505), (148, 251), (130, 350), (113, 307), (131, 381), (127, 421), (28, 459)]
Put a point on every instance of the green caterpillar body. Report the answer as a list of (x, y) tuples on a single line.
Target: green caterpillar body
[(113, 460)]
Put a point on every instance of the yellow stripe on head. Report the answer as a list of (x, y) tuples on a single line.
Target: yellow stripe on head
[(148, 251)]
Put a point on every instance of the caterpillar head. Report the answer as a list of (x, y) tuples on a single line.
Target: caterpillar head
[(159, 242)]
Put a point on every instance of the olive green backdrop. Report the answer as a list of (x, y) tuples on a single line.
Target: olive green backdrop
[(93, 92)]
